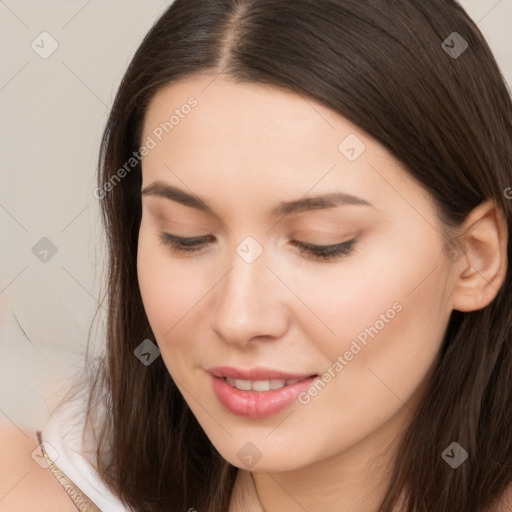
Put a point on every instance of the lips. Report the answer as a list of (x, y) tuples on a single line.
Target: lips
[(263, 392)]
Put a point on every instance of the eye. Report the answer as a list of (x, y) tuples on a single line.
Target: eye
[(184, 244), (326, 252), (320, 252)]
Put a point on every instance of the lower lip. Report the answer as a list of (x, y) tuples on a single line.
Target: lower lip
[(257, 404)]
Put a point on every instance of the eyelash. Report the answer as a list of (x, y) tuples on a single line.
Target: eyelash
[(319, 252)]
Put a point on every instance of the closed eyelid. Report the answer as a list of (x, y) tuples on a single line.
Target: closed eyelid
[(326, 253)]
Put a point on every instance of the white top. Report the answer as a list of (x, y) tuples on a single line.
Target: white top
[(62, 440)]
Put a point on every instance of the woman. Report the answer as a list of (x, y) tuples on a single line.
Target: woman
[(309, 294)]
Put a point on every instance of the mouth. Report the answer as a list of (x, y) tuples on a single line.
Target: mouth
[(257, 393)]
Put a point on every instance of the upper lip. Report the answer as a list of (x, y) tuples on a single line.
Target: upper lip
[(255, 373)]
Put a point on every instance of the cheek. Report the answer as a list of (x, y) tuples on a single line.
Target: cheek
[(349, 300), (160, 291), (388, 334), (379, 326), (395, 299), (375, 381), (152, 281), (163, 290), (172, 290)]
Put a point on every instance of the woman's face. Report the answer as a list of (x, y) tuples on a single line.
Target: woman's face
[(244, 162)]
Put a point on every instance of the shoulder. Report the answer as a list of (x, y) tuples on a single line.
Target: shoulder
[(24, 483)]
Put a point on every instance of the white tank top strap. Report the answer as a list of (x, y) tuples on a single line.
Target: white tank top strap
[(79, 498), (69, 452)]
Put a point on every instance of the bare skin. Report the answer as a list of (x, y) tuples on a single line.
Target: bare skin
[(24, 484), (242, 150)]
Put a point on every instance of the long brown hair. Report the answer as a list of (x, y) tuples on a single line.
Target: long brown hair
[(446, 116)]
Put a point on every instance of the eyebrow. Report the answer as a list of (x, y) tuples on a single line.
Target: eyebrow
[(319, 202)]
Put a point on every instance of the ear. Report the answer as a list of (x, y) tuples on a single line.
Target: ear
[(480, 272)]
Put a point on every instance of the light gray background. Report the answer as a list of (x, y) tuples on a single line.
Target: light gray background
[(52, 112)]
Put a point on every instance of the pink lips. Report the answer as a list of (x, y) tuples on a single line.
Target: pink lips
[(256, 404)]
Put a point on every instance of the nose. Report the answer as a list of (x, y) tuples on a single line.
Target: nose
[(250, 303)]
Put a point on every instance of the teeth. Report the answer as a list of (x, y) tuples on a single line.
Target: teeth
[(260, 385), (277, 383)]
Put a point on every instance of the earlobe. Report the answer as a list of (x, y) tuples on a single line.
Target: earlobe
[(481, 272)]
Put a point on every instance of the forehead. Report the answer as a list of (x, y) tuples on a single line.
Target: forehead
[(245, 114), (254, 138), (250, 125)]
